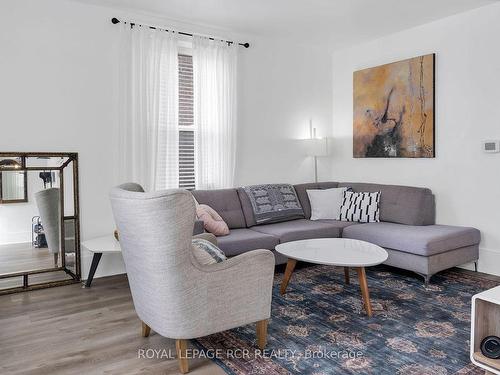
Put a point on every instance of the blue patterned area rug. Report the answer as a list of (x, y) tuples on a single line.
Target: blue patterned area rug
[(320, 327)]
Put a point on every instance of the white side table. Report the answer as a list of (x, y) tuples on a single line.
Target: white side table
[(485, 321), (99, 246)]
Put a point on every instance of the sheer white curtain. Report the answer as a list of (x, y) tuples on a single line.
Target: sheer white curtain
[(214, 74), (148, 149)]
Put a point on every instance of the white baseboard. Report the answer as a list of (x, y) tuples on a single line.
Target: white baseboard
[(489, 262)]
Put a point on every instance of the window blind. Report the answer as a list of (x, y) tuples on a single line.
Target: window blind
[(187, 176)]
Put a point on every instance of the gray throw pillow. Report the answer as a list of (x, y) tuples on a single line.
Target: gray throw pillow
[(273, 203), (206, 252)]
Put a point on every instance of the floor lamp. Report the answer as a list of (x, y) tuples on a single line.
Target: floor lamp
[(316, 147)]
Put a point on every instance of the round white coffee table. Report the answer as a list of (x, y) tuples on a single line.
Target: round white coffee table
[(342, 252)]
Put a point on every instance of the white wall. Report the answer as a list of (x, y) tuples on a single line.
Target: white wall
[(282, 86), (58, 65), (464, 179), (56, 70)]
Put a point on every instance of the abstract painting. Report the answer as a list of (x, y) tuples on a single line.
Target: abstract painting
[(394, 110)]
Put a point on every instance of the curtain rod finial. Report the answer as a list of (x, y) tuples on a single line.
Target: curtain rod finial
[(115, 20), (246, 45)]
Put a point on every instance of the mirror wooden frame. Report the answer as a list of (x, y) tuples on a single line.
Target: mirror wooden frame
[(75, 276), (7, 169)]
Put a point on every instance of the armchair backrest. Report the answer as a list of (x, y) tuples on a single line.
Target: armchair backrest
[(48, 204), (155, 236)]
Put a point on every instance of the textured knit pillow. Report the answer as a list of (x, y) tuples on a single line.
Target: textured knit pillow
[(361, 207), (212, 221), (206, 252)]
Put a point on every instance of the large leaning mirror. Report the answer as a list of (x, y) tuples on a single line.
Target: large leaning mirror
[(39, 220)]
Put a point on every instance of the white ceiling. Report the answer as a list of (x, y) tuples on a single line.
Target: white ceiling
[(335, 22)]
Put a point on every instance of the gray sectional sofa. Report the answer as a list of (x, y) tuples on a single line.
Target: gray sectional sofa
[(407, 229)]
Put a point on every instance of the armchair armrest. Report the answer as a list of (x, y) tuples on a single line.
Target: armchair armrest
[(238, 291)]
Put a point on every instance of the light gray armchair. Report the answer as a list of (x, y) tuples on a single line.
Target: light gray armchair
[(48, 206), (175, 295)]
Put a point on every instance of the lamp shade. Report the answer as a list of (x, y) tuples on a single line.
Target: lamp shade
[(316, 146)]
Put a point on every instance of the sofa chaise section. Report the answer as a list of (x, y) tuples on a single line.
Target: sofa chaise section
[(425, 249), (424, 240)]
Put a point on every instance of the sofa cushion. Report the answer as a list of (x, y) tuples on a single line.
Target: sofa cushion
[(241, 240), (338, 224), (423, 240), (400, 204), (226, 203), (300, 229), (301, 190), (246, 207)]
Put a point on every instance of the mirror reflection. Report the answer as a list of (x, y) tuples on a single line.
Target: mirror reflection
[(11, 162), (47, 202), (39, 233), (13, 186)]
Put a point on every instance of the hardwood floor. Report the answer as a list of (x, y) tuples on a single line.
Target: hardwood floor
[(24, 257), (70, 330)]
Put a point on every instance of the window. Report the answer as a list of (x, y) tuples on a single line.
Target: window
[(187, 177)]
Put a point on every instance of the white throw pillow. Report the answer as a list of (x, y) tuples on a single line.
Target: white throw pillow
[(325, 203)]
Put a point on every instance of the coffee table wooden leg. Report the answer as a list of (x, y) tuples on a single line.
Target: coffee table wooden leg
[(346, 275), (364, 290), (290, 266)]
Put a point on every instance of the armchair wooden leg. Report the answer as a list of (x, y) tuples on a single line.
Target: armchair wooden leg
[(262, 334), (146, 330), (181, 347)]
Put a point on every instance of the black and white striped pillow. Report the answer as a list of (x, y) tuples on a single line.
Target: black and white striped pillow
[(361, 207)]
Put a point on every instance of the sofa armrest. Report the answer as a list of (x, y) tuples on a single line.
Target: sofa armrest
[(198, 227)]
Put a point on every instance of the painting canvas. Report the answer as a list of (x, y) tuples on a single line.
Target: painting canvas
[(394, 110)]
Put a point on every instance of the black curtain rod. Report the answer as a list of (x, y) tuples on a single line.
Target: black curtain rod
[(115, 20)]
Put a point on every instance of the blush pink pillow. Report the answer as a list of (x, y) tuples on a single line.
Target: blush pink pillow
[(212, 221)]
